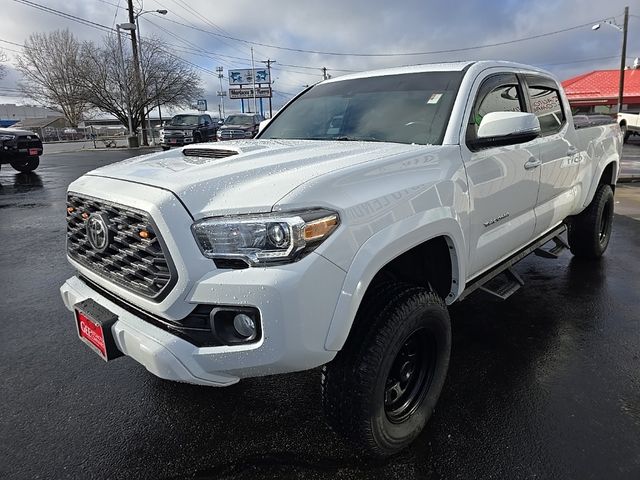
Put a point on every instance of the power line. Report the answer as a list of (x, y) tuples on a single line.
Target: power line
[(396, 54), (68, 16)]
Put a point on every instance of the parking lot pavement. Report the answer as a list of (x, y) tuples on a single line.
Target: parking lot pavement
[(543, 385)]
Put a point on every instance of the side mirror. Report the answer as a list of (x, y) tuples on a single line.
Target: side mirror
[(263, 124), (507, 128)]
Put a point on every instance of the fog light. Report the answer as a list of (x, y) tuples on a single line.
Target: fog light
[(244, 325)]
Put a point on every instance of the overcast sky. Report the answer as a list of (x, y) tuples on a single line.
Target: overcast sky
[(345, 26)]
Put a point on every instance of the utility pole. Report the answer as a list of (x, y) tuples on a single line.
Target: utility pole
[(136, 62), (268, 61), (623, 59), (220, 94), (124, 80), (325, 75), (253, 74)]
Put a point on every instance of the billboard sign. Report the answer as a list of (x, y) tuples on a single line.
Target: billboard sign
[(245, 76), (236, 93)]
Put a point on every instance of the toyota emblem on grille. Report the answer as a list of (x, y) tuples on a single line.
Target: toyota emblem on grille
[(97, 231)]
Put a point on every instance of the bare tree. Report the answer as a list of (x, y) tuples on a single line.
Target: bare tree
[(110, 88), (3, 68), (50, 66)]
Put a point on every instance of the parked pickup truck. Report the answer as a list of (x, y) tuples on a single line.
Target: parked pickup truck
[(339, 237), (184, 129), (629, 124), (20, 148)]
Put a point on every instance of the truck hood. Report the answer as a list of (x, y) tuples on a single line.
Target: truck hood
[(252, 179)]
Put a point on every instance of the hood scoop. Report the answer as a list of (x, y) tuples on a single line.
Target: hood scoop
[(208, 152)]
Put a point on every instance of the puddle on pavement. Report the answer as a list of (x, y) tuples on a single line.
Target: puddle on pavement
[(20, 183)]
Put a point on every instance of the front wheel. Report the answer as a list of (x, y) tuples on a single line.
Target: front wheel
[(381, 389), (26, 165), (590, 231)]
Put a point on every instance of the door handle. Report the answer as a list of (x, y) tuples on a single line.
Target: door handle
[(572, 151), (532, 163)]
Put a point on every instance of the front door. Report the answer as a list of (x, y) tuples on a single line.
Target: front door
[(503, 181)]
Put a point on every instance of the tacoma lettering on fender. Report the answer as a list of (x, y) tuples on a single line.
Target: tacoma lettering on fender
[(340, 235)]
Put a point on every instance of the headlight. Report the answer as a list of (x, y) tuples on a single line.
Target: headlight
[(219, 133), (6, 137), (265, 239), (248, 134)]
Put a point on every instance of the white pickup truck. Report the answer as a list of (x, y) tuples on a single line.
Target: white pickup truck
[(629, 124), (340, 235)]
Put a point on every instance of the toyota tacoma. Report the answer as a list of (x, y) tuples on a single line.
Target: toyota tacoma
[(339, 237)]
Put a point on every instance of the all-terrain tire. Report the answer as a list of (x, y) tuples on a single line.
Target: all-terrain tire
[(401, 334), (590, 231), (27, 165)]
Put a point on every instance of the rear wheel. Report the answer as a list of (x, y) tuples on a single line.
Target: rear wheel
[(590, 231), (381, 389), (26, 165)]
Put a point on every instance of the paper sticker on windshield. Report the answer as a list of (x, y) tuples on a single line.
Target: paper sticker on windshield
[(434, 98)]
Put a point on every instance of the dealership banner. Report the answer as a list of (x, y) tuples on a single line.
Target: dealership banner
[(237, 93)]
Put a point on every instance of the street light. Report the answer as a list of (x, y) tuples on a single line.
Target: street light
[(623, 60), (136, 16), (127, 26)]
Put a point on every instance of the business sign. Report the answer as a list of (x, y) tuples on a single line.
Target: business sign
[(236, 93), (246, 76), (201, 105)]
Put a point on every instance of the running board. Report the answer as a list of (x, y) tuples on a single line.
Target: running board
[(505, 287), (513, 279), (560, 246)]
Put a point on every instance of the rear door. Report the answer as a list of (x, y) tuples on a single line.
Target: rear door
[(503, 180), (559, 154)]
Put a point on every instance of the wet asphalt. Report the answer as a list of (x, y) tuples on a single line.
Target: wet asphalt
[(544, 385)]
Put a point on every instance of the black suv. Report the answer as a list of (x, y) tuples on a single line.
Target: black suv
[(240, 125), (184, 129), (20, 148)]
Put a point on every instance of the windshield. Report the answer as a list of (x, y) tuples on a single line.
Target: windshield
[(238, 120), (408, 108), (184, 120)]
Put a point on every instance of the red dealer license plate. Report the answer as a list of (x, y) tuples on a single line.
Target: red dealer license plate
[(33, 151), (173, 140), (93, 324)]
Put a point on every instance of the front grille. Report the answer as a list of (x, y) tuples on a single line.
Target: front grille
[(232, 133), (208, 152), (138, 264)]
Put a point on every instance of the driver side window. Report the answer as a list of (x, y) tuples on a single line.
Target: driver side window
[(498, 93)]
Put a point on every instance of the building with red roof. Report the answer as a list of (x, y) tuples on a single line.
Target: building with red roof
[(599, 88)]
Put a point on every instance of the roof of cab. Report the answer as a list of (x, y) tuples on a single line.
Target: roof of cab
[(437, 67)]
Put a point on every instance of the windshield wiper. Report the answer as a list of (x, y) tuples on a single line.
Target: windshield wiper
[(346, 138)]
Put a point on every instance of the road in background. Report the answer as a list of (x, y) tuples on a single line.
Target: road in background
[(543, 385)]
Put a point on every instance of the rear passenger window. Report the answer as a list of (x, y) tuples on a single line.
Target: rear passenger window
[(546, 104)]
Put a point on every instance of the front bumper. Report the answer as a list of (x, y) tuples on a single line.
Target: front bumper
[(295, 309), (176, 141), (10, 152)]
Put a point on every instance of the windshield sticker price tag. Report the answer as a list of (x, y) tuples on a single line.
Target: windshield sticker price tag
[(434, 98)]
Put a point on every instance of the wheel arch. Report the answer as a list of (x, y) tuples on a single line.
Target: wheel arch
[(389, 253)]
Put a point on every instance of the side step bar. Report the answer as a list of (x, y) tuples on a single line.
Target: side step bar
[(512, 281)]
